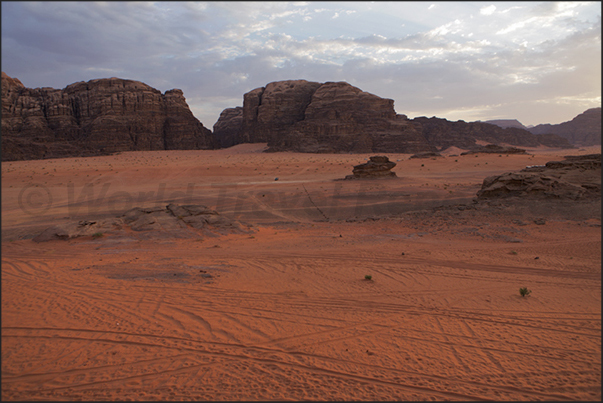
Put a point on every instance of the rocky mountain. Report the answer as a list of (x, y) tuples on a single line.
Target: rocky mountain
[(305, 116), (442, 133), (97, 117), (583, 130), (504, 123)]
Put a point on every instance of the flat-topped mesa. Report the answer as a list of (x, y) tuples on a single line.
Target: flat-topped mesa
[(377, 167), (97, 117)]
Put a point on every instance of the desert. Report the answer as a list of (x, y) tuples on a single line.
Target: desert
[(307, 287)]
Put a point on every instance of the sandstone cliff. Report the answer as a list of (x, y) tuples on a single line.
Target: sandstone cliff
[(305, 116), (97, 117), (308, 116), (583, 130)]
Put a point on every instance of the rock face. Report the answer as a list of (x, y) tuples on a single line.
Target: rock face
[(376, 168), (332, 117), (97, 117), (583, 130), (229, 127), (573, 179), (443, 133)]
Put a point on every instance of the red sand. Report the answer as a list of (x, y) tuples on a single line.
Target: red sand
[(287, 313)]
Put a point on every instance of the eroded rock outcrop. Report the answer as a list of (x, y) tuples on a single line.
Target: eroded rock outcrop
[(97, 117), (425, 155), (495, 149), (377, 167), (171, 221), (572, 179)]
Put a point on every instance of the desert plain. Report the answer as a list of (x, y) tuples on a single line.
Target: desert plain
[(281, 310)]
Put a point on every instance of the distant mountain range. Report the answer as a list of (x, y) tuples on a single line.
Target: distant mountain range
[(583, 130)]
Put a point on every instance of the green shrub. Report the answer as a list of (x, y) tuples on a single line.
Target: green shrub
[(368, 277), (97, 235), (524, 291)]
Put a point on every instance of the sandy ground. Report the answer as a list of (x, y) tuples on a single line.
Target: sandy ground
[(285, 312)]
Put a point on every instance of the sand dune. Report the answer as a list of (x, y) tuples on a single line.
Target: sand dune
[(285, 312)]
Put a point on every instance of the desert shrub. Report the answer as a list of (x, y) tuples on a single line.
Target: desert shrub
[(97, 235), (368, 277), (524, 291)]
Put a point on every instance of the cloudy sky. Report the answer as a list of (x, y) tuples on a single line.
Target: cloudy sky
[(538, 62)]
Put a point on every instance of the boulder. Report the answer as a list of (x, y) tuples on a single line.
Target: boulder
[(376, 168)]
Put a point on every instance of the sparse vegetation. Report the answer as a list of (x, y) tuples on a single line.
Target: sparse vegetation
[(524, 291), (368, 277), (97, 235), (513, 252)]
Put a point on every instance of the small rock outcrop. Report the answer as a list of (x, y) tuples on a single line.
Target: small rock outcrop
[(376, 168), (171, 221), (495, 149), (572, 179), (425, 155), (583, 130), (97, 117)]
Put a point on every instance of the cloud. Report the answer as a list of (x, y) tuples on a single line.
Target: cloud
[(488, 10), (459, 58)]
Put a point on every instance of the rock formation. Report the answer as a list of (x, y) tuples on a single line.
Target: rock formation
[(333, 117), (160, 222), (495, 149), (583, 130), (376, 168), (443, 133), (97, 117), (230, 127), (575, 178), (425, 155)]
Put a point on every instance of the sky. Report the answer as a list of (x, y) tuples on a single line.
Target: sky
[(537, 62)]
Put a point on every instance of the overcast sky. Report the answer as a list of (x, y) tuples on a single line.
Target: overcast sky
[(538, 62)]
